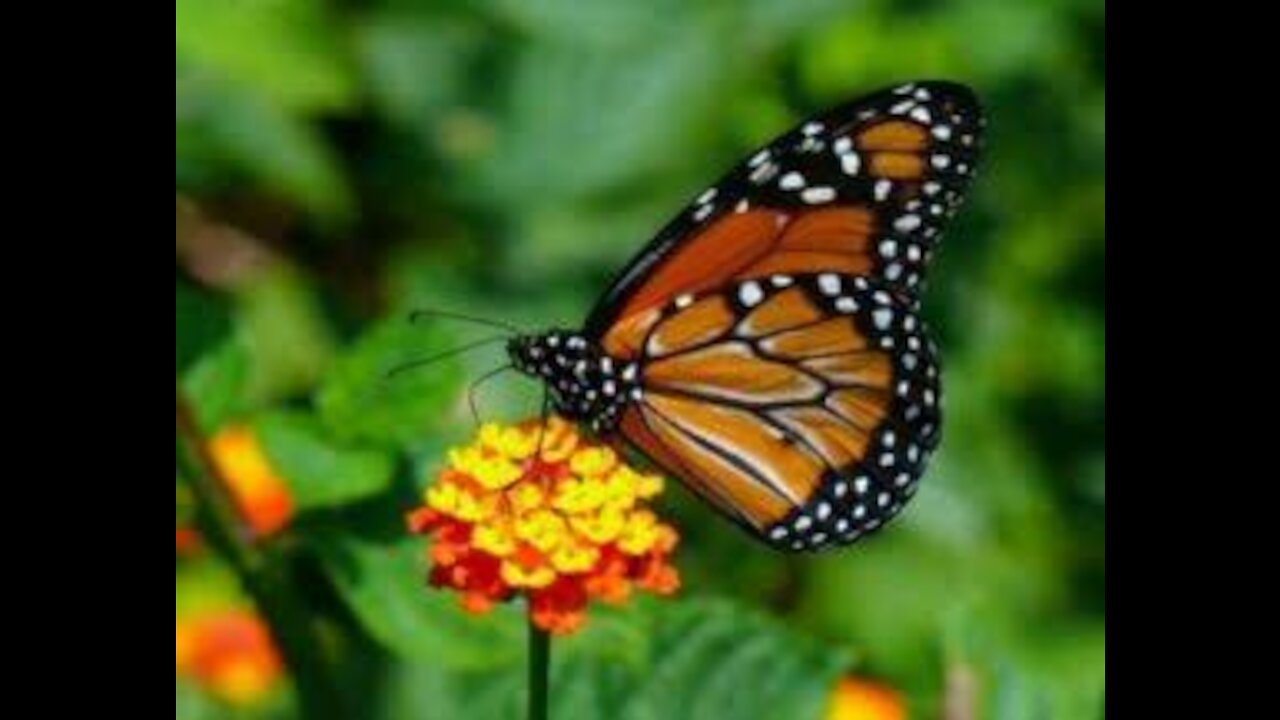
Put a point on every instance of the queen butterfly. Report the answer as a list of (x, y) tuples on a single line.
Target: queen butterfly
[(765, 347)]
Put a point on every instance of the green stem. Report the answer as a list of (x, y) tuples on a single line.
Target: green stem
[(264, 574), (539, 670)]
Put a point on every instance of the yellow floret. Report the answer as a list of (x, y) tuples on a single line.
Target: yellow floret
[(648, 486), (574, 557), (579, 496), (497, 539), (640, 534), (525, 497), (512, 443), (599, 527), (516, 575), (593, 462), (620, 489), (557, 443), (543, 529)]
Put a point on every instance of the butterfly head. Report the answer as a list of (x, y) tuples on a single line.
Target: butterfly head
[(585, 383)]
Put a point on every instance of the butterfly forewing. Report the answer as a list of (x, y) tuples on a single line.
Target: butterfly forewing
[(862, 189)]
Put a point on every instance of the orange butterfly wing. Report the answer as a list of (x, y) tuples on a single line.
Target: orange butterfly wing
[(785, 376), (864, 189)]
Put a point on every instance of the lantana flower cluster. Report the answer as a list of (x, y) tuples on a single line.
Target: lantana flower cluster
[(539, 511)]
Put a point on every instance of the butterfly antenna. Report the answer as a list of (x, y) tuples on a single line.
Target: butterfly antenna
[(417, 315), (475, 384), (443, 355)]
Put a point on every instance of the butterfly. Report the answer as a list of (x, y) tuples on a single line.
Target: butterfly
[(765, 347)]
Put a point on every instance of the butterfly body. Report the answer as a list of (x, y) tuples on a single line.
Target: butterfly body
[(585, 384), (764, 348)]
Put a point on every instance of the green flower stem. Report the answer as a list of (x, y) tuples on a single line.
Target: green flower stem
[(262, 571), (539, 670)]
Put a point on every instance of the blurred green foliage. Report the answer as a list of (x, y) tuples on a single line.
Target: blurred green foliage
[(339, 164)]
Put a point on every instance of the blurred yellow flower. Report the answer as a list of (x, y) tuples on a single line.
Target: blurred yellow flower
[(260, 494), (540, 511), (228, 653), (860, 699)]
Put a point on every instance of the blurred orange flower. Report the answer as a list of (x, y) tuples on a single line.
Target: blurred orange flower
[(860, 699), (540, 511), (260, 494), (229, 653), (188, 541)]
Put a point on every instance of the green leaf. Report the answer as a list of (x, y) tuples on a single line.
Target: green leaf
[(319, 473), (384, 585), (602, 25), (358, 402), (282, 151), (416, 67), (287, 51), (215, 384), (285, 332), (202, 320), (767, 23), (712, 659), (684, 659), (545, 157), (191, 704)]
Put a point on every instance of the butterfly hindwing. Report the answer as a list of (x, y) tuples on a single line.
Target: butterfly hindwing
[(864, 188), (804, 406)]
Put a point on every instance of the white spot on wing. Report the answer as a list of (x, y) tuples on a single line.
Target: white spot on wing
[(902, 107), (907, 223), (791, 181), (818, 195), (829, 284), (850, 163), (764, 173), (882, 317)]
